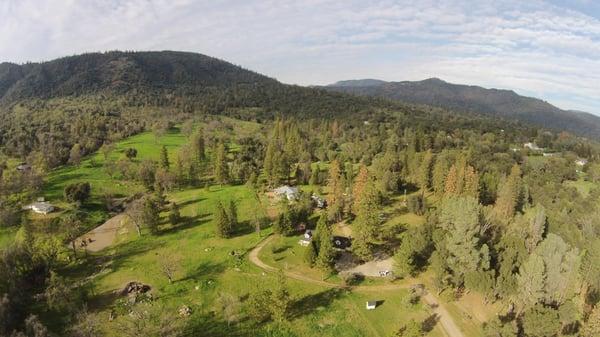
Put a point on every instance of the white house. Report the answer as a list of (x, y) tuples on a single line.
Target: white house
[(291, 193), (581, 162), (371, 305), (40, 207), (532, 146)]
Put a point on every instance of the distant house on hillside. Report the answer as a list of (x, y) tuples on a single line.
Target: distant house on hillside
[(371, 305), (288, 192), (40, 207), (581, 162), (532, 146)]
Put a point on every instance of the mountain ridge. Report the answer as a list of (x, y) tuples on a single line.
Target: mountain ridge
[(502, 103)]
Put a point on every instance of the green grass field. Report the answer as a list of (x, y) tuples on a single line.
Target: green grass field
[(210, 266)]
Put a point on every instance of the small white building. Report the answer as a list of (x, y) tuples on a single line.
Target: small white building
[(371, 305), (532, 146), (581, 162), (290, 193), (40, 207)]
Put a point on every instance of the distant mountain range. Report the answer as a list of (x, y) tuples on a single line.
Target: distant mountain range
[(505, 104)]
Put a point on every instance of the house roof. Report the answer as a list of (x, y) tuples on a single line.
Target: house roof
[(286, 190)]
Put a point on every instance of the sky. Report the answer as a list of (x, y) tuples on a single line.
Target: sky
[(547, 49)]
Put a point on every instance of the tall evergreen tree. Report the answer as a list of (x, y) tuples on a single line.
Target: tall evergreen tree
[(366, 223), (164, 158), (221, 170), (281, 300), (222, 223), (335, 200), (360, 182)]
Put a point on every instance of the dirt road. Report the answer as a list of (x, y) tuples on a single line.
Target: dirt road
[(448, 324), (103, 235)]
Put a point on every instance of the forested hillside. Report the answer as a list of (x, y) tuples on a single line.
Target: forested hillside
[(491, 102), (91, 99)]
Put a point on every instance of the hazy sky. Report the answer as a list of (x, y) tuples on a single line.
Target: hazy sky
[(548, 49)]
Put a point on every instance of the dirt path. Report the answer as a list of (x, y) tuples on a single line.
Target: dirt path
[(103, 235), (445, 319)]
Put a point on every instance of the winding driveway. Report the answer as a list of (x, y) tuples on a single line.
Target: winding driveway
[(445, 319)]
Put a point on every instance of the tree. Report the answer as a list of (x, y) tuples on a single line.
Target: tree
[(220, 165), (229, 306), (335, 200), (509, 195), (536, 230), (314, 176), (147, 174), (232, 215), (440, 170), (77, 192), (164, 158), (149, 320), (310, 254), (143, 212), (72, 227), (259, 305), (412, 251), (360, 182), (106, 149), (416, 204), (280, 300), (496, 328), (424, 174), (86, 325), (366, 223), (223, 225), (326, 252), (75, 154), (549, 275), (540, 321), (174, 215), (198, 145), (130, 153), (591, 328), (169, 264), (410, 329), (59, 296), (459, 217)]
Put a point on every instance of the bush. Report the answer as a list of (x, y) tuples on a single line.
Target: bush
[(78, 192), (350, 279)]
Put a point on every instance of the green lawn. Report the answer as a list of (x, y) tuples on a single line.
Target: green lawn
[(209, 266)]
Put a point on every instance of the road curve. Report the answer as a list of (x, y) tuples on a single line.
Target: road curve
[(445, 319)]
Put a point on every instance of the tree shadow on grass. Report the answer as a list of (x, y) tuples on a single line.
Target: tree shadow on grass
[(186, 223), (190, 202), (308, 304), (210, 325), (429, 323), (205, 269)]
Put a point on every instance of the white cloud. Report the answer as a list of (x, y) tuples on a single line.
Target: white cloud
[(533, 47)]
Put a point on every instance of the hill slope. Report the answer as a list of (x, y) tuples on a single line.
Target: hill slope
[(499, 103)]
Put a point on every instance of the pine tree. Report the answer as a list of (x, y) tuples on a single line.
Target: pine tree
[(471, 185), (310, 254), (220, 165), (440, 170), (269, 164), (424, 176), (198, 145), (164, 158), (366, 222), (232, 215), (509, 195), (314, 176), (281, 300), (360, 183), (222, 222), (336, 191), (326, 253), (451, 184)]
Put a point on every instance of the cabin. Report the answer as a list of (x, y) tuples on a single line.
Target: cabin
[(40, 207), (371, 305), (288, 192)]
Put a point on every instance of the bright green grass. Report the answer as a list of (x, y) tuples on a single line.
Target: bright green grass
[(206, 263), (7, 235)]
